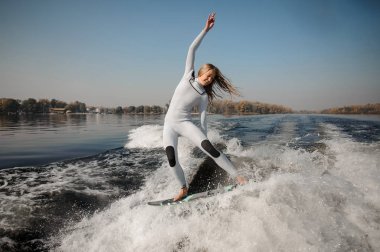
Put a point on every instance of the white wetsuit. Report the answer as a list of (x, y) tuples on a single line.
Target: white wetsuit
[(178, 121)]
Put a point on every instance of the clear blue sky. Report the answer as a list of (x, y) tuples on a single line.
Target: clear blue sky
[(302, 54)]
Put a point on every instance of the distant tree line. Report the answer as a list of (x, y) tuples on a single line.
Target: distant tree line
[(246, 108), (354, 109), (144, 109), (32, 106), (227, 107), (219, 107)]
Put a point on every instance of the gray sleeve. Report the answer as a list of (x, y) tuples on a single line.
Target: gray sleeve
[(191, 53), (203, 111)]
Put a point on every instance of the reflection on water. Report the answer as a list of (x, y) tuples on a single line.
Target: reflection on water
[(40, 139)]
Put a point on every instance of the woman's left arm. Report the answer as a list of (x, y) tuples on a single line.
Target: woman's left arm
[(203, 111), (197, 41)]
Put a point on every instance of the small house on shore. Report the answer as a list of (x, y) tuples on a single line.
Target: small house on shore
[(58, 110)]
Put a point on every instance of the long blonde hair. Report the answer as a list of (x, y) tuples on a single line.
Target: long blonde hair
[(220, 82)]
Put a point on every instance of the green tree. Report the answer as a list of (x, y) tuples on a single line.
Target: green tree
[(9, 105), (76, 107), (131, 109), (140, 109), (119, 110), (43, 105), (156, 109), (29, 106), (57, 104)]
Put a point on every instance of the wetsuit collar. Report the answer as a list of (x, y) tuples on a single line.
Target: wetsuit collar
[(198, 87)]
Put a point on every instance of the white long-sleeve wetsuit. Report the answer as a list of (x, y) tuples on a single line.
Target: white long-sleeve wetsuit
[(178, 122)]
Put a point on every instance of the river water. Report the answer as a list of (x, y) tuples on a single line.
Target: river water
[(81, 183)]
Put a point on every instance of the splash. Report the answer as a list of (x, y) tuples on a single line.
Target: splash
[(147, 136), (297, 200)]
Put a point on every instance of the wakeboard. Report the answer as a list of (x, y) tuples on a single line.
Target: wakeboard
[(191, 197)]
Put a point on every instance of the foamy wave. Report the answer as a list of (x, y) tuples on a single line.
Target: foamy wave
[(146, 136), (358, 163), (273, 215), (302, 201)]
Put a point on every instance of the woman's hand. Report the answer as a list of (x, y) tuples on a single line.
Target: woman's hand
[(210, 21)]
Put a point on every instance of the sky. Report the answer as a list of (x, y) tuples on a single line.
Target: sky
[(301, 54)]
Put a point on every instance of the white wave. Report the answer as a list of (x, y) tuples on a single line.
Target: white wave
[(4, 184), (150, 136), (301, 201), (146, 136), (358, 164), (24, 188), (285, 213)]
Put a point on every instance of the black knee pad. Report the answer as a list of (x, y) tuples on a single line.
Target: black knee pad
[(210, 149), (171, 155)]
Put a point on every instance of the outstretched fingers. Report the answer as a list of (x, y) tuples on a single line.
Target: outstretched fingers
[(210, 21)]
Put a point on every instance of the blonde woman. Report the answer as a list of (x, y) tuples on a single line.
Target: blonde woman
[(195, 91)]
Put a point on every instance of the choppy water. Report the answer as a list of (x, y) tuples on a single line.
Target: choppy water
[(314, 186)]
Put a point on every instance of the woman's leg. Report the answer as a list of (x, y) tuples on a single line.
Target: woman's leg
[(170, 137), (193, 133)]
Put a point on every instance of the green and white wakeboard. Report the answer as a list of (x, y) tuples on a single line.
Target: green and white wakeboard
[(168, 202)]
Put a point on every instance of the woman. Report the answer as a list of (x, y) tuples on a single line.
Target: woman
[(192, 92)]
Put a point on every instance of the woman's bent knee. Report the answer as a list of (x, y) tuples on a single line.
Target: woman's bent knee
[(207, 146), (171, 155)]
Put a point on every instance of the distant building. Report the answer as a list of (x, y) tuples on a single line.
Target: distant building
[(93, 110), (58, 110)]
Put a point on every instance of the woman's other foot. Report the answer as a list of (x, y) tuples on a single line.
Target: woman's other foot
[(241, 180), (182, 193)]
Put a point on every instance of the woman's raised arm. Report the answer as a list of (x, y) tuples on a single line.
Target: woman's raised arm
[(197, 41)]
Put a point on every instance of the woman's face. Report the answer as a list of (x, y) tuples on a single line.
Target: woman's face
[(207, 78)]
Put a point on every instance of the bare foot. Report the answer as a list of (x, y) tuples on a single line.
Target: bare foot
[(241, 180), (182, 193)]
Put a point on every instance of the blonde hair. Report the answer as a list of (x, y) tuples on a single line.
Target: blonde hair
[(220, 82)]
